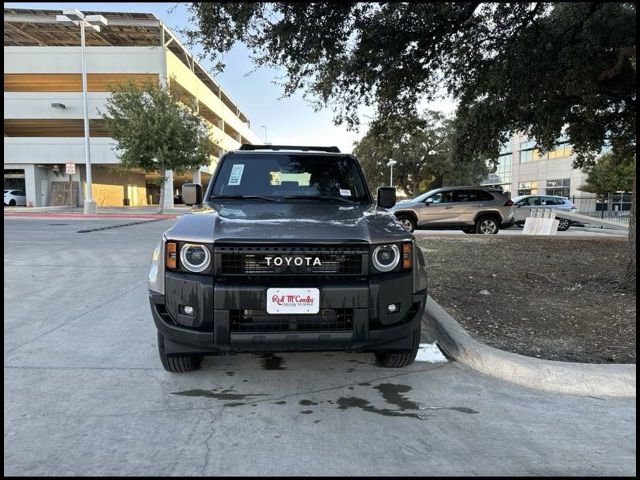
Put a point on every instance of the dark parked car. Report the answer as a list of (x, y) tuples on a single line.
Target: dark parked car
[(286, 251), (472, 209)]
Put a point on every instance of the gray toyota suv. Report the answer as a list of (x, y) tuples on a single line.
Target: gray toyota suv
[(472, 209), (286, 251)]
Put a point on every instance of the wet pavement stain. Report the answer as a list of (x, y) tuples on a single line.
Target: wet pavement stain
[(306, 403), (355, 402), (365, 384), (272, 362), (351, 370), (306, 412), (230, 374), (281, 402), (394, 394), (234, 404), (224, 395), (351, 388)]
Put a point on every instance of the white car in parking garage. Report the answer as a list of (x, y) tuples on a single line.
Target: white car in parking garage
[(15, 197)]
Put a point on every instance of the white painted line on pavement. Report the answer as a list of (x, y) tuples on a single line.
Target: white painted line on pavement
[(429, 352)]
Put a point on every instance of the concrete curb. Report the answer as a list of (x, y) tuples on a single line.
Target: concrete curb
[(549, 375)]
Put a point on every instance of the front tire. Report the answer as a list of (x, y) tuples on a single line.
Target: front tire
[(177, 363), (12, 203), (487, 225), (407, 222), (398, 359), (563, 224)]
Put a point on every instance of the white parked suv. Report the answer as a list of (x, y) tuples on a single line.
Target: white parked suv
[(525, 203), (14, 197)]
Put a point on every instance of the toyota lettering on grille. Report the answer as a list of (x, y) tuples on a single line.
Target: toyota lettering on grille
[(297, 261)]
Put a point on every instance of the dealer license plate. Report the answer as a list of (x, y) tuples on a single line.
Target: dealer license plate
[(293, 300)]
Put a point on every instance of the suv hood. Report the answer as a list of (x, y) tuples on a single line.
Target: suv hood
[(248, 221)]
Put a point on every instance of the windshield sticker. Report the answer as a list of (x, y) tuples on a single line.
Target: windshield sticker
[(236, 174), (345, 193)]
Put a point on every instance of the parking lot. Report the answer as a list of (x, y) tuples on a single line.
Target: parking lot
[(85, 393)]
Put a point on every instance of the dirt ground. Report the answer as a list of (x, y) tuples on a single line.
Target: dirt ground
[(555, 298)]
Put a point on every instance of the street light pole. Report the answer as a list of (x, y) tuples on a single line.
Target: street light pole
[(89, 204), (76, 17), (391, 163)]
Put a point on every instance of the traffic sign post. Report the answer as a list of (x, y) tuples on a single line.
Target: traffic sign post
[(71, 170)]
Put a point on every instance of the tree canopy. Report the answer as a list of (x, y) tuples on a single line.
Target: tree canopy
[(154, 131), (420, 146), (609, 174), (542, 69), (529, 67)]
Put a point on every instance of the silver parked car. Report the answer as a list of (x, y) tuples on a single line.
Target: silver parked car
[(525, 203), (472, 209)]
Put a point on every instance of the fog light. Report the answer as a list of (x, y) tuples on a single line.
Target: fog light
[(393, 308), (188, 310)]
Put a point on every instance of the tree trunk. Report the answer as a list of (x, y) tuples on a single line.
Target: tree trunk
[(162, 182), (629, 280)]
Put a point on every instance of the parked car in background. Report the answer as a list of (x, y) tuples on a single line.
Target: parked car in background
[(15, 197), (470, 208), (525, 203)]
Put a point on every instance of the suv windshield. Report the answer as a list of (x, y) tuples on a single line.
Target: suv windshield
[(284, 175)]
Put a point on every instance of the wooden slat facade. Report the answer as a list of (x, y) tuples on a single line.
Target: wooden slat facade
[(46, 127), (72, 82)]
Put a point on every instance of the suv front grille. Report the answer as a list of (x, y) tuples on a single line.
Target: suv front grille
[(328, 320), (340, 260)]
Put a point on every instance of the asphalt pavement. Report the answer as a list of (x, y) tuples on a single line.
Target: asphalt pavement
[(85, 393)]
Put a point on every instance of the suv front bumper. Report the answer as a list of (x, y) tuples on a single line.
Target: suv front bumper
[(212, 329)]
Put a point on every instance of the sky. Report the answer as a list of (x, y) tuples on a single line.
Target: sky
[(288, 121)]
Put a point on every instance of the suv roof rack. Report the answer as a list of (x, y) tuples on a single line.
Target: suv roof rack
[(246, 146)]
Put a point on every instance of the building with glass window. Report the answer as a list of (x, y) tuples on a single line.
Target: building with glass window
[(522, 170), (43, 113)]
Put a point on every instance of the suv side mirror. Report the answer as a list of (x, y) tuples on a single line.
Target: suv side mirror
[(386, 197), (428, 201), (192, 193)]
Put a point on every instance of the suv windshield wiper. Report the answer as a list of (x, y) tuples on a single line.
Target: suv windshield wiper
[(242, 197), (317, 197)]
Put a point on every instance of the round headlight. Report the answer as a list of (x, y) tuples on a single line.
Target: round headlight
[(195, 258), (386, 257)]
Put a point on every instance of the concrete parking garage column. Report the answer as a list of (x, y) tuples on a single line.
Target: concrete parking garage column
[(168, 190), (30, 188)]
